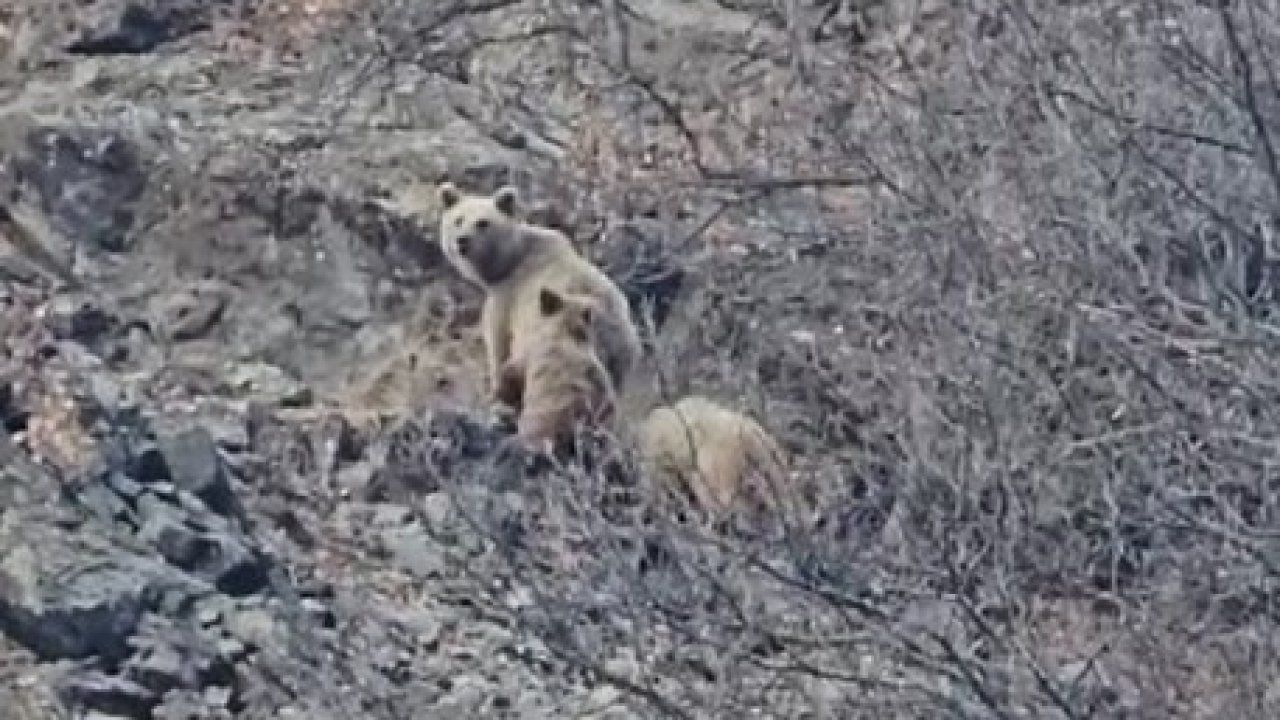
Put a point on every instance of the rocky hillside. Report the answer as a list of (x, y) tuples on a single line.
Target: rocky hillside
[(1002, 279)]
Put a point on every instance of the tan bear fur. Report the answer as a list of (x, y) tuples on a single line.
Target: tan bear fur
[(557, 381), (717, 452), (483, 238), (416, 370)]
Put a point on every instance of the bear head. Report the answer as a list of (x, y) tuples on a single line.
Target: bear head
[(481, 235), (571, 315)]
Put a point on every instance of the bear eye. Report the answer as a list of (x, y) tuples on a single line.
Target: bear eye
[(482, 225)]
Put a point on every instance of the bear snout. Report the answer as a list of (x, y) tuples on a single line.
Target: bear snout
[(464, 244)]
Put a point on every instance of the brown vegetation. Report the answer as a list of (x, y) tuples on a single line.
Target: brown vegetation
[(1002, 275)]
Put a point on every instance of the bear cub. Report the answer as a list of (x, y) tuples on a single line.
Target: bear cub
[(557, 381), (718, 454)]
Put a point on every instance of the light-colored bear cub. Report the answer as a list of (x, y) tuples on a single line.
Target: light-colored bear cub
[(717, 452), (556, 380), (513, 261)]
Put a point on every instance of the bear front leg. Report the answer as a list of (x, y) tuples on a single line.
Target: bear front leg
[(617, 367), (540, 431), (510, 386), (496, 328)]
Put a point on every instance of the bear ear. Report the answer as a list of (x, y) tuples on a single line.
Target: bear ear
[(505, 200), (449, 195), (549, 302)]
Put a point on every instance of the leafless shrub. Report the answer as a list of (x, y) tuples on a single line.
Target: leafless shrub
[(1004, 274)]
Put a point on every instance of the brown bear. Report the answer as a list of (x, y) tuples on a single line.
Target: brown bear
[(513, 261), (556, 380), (714, 451)]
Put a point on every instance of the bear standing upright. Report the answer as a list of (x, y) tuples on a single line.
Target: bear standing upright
[(513, 261)]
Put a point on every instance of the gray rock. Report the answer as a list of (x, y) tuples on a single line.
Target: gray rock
[(354, 479), (88, 179), (193, 506), (624, 667), (108, 694), (467, 695), (195, 466), (192, 314), (192, 704), (101, 500), (413, 550), (169, 656), (107, 392), (124, 486), (97, 715), (78, 319), (219, 557), (228, 433), (23, 484), (438, 508), (66, 594), (306, 712), (160, 668), (208, 616), (217, 697), (137, 28), (232, 649), (425, 625), (147, 464), (254, 627), (390, 515), (164, 491), (137, 345), (268, 384)]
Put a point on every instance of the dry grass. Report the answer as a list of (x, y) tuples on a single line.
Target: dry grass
[(995, 284)]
